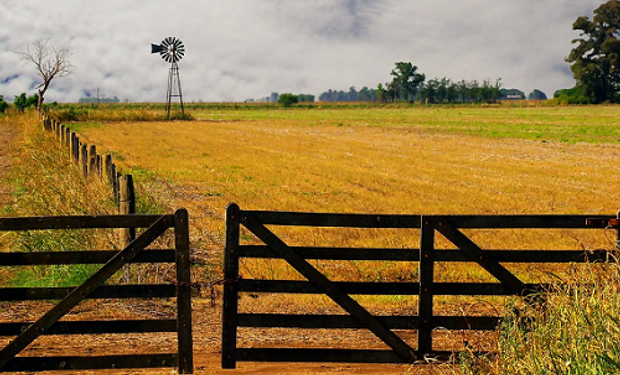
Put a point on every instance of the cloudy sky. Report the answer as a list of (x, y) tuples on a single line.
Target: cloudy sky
[(241, 49)]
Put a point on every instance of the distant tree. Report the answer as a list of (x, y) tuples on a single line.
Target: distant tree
[(596, 58), (390, 92), (288, 99), (536, 94), (50, 61), (428, 92), (23, 102), (352, 94), (380, 93), (575, 95), (305, 98), (406, 81), (3, 104)]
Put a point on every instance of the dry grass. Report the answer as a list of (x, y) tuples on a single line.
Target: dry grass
[(288, 163), (341, 161)]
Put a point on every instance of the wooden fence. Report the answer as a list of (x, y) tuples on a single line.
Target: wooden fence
[(96, 288), (425, 288), (94, 165)]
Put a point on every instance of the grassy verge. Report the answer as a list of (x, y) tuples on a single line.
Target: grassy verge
[(45, 182), (576, 330)]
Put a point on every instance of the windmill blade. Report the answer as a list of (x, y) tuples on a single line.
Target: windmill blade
[(156, 48), (171, 49)]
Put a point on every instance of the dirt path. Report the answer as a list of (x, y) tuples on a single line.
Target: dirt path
[(206, 334)]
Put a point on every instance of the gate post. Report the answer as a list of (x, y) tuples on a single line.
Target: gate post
[(184, 303), (231, 288), (425, 299)]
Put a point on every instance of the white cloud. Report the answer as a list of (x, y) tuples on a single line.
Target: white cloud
[(242, 49)]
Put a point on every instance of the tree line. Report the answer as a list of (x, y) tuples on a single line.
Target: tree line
[(409, 85)]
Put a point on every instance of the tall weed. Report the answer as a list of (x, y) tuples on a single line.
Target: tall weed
[(575, 331), (45, 183)]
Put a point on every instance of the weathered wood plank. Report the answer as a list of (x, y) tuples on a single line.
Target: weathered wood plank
[(81, 257), (95, 327), (231, 288), (105, 291), (409, 255), (349, 287), (184, 303), (336, 220), (78, 222), (90, 363), (426, 285), (387, 288), (519, 221), (348, 322)]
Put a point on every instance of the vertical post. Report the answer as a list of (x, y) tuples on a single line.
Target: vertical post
[(127, 206), (84, 159), (425, 310), (98, 166), (184, 303), (108, 168), (114, 181), (92, 160), (73, 145), (231, 288)]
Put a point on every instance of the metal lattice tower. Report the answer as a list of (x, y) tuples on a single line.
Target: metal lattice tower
[(172, 50)]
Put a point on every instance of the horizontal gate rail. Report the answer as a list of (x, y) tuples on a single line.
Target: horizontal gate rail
[(413, 255), (425, 288), (93, 288), (77, 222)]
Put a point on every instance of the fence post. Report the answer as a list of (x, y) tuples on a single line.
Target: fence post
[(84, 159), (127, 206), (425, 300), (98, 166), (108, 169), (184, 303), (231, 288), (67, 138), (73, 145), (92, 160)]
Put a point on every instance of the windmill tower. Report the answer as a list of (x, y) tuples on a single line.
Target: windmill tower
[(172, 50)]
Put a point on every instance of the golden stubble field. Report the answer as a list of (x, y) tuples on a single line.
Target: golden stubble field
[(392, 161), (298, 161), (284, 161)]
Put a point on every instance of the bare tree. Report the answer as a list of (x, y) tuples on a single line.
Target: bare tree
[(50, 61)]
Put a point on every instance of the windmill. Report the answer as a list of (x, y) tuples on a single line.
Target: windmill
[(171, 50)]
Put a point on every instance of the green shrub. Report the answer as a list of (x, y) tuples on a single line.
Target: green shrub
[(287, 100)]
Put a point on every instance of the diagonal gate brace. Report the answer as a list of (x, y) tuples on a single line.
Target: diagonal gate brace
[(466, 245), (329, 288), (83, 291)]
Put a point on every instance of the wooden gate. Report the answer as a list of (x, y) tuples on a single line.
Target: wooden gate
[(427, 255), (27, 332)]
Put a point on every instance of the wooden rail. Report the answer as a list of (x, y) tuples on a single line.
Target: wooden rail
[(93, 288), (427, 255)]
